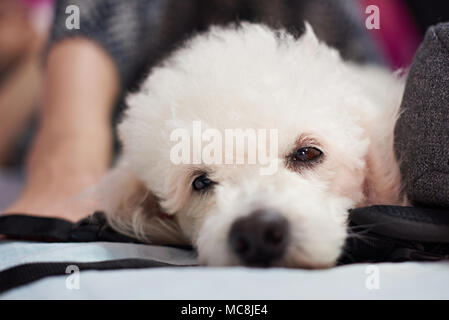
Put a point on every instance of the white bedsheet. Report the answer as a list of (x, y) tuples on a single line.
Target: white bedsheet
[(358, 281)]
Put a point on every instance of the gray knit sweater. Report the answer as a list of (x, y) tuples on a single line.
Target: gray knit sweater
[(422, 132)]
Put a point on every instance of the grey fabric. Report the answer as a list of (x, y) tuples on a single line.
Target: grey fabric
[(422, 132), (139, 33)]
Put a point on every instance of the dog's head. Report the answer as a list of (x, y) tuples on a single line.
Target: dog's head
[(313, 148)]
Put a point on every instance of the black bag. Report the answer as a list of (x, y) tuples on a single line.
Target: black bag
[(396, 234)]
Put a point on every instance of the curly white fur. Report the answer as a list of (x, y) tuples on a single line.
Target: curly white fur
[(253, 77)]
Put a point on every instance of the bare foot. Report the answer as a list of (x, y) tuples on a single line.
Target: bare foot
[(72, 200), (73, 146)]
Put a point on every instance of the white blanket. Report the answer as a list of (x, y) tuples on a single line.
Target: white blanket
[(357, 281)]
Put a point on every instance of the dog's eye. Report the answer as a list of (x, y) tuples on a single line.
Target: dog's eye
[(202, 183), (307, 154)]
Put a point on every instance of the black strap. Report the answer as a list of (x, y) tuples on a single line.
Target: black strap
[(35, 228), (30, 272), (404, 223), (92, 228)]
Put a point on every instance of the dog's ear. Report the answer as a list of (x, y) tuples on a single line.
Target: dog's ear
[(383, 177), (133, 210), (382, 183), (378, 113)]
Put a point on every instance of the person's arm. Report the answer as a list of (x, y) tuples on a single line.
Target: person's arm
[(72, 149)]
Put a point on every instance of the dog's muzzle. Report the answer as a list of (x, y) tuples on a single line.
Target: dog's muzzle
[(260, 238)]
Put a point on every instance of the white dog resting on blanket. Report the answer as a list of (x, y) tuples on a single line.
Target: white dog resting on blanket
[(333, 132)]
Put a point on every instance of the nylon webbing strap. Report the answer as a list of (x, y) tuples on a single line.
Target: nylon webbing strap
[(35, 228), (92, 228), (30, 272)]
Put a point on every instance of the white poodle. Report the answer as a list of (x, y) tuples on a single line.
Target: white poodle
[(333, 127)]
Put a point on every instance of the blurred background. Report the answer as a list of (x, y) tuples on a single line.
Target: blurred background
[(27, 25)]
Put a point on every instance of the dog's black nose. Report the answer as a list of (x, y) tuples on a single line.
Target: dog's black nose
[(260, 238)]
